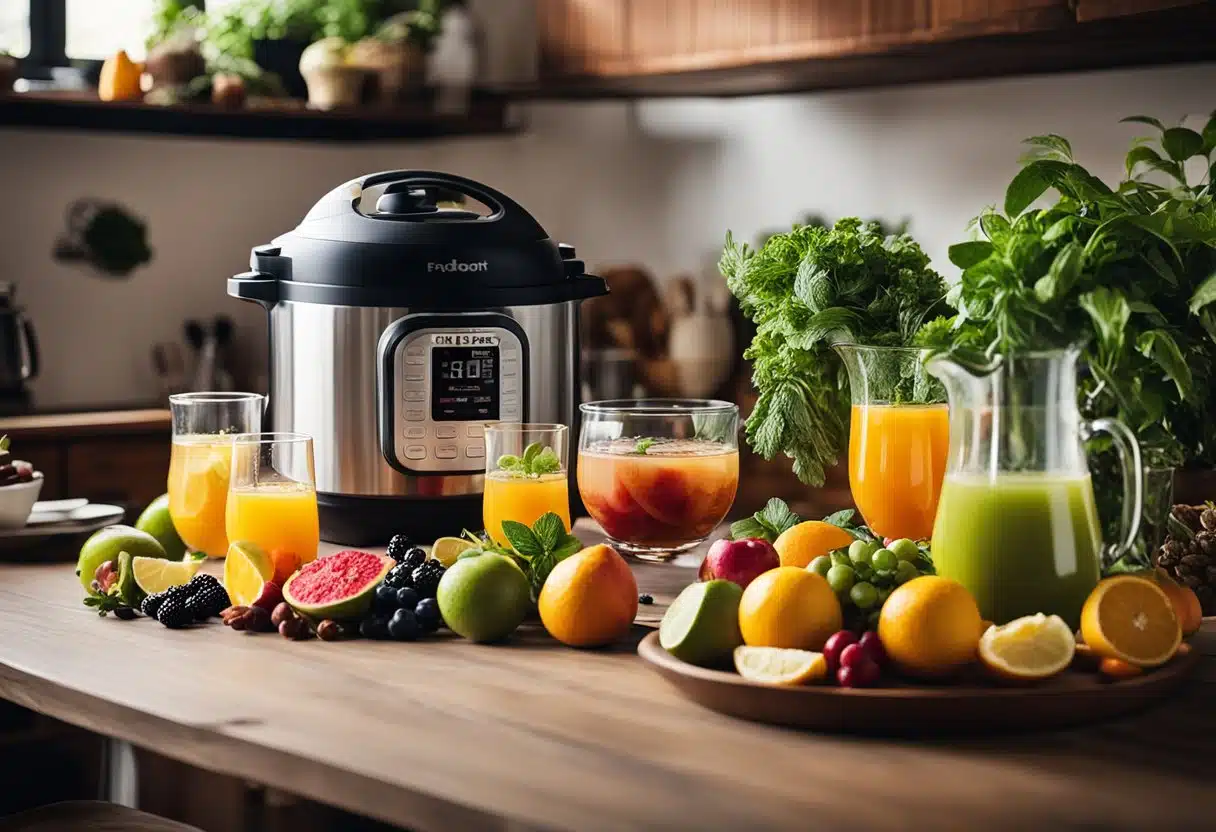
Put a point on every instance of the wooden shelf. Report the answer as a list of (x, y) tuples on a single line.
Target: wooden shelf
[(487, 116), (1046, 44)]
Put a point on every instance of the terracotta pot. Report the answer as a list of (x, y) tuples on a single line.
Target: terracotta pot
[(335, 87), (396, 70)]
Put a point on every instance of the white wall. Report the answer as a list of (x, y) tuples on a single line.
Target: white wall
[(657, 183)]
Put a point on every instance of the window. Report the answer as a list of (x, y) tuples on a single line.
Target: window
[(96, 29), (15, 28)]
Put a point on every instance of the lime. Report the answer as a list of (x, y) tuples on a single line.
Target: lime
[(154, 575), (702, 625), (447, 549), (484, 598), (105, 545), (156, 521)]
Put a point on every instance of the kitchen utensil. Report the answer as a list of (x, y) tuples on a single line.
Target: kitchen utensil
[(19, 360), (398, 329)]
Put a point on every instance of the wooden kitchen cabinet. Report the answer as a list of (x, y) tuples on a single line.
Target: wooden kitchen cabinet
[(594, 48), (119, 457)]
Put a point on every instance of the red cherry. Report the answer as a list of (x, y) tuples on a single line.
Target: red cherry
[(853, 655), (866, 674), (846, 677), (872, 645), (835, 645)]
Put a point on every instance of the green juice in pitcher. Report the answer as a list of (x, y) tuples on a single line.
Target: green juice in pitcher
[(1022, 543)]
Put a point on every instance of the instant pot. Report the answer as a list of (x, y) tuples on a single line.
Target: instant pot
[(397, 334)]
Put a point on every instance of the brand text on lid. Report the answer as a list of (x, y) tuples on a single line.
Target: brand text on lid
[(456, 266)]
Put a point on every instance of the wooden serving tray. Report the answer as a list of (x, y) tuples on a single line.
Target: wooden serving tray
[(1072, 698)]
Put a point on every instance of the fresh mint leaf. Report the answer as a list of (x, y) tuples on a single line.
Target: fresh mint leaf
[(546, 462), (1181, 143), (643, 445), (549, 530), (778, 516), (843, 518), (966, 255), (1030, 183), (1108, 310), (510, 462), (750, 527), (523, 540), (530, 454)]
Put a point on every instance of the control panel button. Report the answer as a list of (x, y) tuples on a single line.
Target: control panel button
[(415, 433), (510, 414), (510, 368), (414, 376), (415, 360), (476, 431), (509, 353), (445, 432), (415, 415), (475, 451), (510, 400), (415, 395), (415, 452), (510, 385), (417, 349), (446, 452)]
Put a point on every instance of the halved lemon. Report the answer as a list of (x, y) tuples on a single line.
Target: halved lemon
[(447, 549), (154, 575), (246, 569), (1029, 648), (1131, 619), (780, 665)]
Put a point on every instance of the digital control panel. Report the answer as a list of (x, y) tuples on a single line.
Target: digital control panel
[(449, 383)]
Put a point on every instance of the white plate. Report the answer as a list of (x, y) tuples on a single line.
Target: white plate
[(81, 516)]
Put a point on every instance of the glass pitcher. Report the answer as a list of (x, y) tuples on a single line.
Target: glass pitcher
[(1016, 522)]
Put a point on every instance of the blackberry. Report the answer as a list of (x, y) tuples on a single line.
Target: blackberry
[(645, 598), (152, 603), (124, 613), (180, 592), (197, 605), (399, 576), (202, 581), (175, 614), (403, 626), (427, 613), (214, 598), (414, 557), (398, 546), (426, 578)]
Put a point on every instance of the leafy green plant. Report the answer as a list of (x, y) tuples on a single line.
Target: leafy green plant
[(536, 461), (1129, 270), (420, 26), (541, 547), (172, 16), (807, 290)]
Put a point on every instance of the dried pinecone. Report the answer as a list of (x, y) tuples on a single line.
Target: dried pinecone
[(1190, 558)]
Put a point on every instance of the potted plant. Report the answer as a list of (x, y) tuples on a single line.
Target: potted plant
[(396, 54)]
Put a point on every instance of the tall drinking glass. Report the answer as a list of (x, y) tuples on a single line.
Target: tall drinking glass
[(526, 475), (658, 474), (899, 433), (272, 499), (203, 424)]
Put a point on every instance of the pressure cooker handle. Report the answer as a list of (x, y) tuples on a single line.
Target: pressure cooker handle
[(258, 287), (503, 208)]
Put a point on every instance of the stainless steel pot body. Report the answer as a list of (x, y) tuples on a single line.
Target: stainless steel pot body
[(325, 382)]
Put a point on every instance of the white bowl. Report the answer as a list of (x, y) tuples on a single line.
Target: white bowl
[(17, 501)]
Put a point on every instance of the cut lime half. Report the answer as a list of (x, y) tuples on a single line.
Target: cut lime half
[(154, 575), (702, 625)]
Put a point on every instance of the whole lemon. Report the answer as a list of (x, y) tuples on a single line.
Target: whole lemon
[(801, 544), (590, 598), (930, 626), (788, 607)]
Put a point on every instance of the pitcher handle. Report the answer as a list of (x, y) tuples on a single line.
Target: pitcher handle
[(1133, 480)]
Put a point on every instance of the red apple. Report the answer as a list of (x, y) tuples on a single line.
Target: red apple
[(740, 561)]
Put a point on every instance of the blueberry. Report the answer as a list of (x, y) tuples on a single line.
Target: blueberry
[(403, 626), (427, 613), (386, 600), (374, 627), (407, 598)]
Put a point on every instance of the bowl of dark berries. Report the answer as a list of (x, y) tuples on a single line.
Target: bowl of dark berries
[(20, 485)]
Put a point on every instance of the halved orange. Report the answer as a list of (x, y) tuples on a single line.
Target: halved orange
[(1131, 619)]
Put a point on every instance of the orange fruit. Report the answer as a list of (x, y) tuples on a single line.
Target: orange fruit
[(1183, 598), (590, 598), (1028, 649), (1131, 619), (789, 607), (930, 626), (801, 544), (1119, 669), (285, 564)]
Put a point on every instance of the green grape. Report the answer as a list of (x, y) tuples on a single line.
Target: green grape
[(884, 559), (883, 594), (883, 577), (864, 571), (863, 595), (821, 565), (841, 557), (840, 578), (861, 550), (873, 619), (905, 549), (905, 572)]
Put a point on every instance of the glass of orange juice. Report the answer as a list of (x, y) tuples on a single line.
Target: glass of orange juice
[(199, 464), (526, 475), (272, 498), (898, 437)]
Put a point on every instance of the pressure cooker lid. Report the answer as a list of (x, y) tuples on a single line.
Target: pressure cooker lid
[(411, 238)]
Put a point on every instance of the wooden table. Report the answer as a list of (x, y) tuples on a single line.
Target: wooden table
[(443, 734)]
